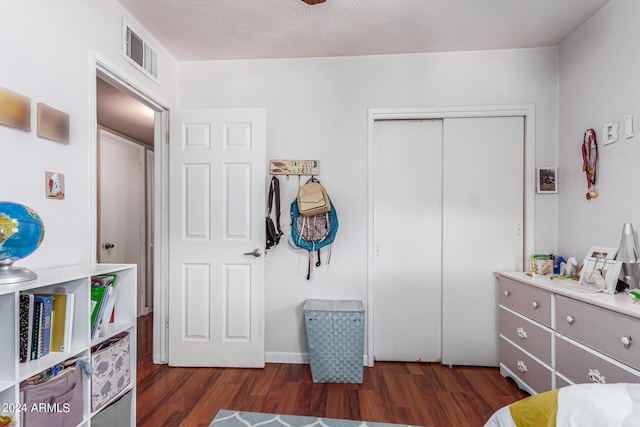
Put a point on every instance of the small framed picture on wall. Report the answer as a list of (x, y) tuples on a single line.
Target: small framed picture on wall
[(547, 180)]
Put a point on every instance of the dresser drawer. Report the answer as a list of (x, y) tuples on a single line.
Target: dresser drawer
[(613, 334), (532, 337), (532, 302), (527, 369), (581, 365)]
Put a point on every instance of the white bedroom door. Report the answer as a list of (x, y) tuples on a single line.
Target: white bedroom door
[(407, 282), (216, 237)]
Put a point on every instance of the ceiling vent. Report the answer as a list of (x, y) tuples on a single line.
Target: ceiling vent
[(139, 53)]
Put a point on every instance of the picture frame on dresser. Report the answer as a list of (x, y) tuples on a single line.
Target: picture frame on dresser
[(601, 252), (599, 275)]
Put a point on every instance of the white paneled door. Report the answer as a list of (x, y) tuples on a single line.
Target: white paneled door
[(216, 237)]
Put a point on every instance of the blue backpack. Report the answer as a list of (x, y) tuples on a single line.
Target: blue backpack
[(313, 232)]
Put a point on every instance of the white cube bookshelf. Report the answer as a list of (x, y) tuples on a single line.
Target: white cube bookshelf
[(77, 280)]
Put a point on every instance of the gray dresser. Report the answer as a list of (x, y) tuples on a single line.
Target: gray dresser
[(552, 334)]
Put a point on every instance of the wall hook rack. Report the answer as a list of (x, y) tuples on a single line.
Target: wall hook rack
[(294, 167)]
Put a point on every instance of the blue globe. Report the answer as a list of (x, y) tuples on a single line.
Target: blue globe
[(21, 231)]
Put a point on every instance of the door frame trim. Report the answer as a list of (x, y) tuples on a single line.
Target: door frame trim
[(527, 111), (99, 66)]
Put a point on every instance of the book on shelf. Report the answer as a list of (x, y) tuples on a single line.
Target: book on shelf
[(26, 326), (107, 315), (35, 329), (45, 324), (62, 321), (44, 344), (102, 297)]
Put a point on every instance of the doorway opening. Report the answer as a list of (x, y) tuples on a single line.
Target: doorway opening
[(125, 185), (156, 290)]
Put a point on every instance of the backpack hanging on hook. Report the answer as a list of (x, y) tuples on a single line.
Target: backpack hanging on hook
[(313, 232), (313, 198), (273, 231)]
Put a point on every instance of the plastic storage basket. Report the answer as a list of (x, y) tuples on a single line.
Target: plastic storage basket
[(335, 336)]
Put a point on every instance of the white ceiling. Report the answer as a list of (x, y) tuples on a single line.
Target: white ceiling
[(241, 29)]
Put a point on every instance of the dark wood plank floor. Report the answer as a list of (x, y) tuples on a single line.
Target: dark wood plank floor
[(406, 393)]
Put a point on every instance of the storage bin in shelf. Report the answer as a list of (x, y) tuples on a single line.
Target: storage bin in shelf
[(110, 370), (33, 367)]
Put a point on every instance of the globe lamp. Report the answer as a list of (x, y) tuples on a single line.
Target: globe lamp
[(21, 233)]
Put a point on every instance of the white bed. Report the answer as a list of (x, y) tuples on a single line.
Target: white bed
[(580, 405)]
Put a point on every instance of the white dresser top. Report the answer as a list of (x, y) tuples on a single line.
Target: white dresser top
[(620, 302)]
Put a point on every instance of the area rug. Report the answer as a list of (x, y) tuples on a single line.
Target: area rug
[(226, 418)]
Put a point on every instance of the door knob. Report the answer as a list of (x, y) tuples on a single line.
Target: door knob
[(109, 245), (256, 253)]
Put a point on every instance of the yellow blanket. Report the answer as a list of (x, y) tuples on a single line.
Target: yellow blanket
[(536, 411)]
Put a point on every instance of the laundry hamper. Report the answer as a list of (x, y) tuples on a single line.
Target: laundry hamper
[(335, 336)]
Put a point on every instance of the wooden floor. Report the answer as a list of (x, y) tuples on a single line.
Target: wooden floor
[(424, 394)]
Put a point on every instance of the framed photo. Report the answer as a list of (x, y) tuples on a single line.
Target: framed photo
[(52, 124), (547, 180), (54, 183), (15, 110), (601, 252), (600, 275)]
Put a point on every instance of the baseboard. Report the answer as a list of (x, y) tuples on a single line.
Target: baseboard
[(281, 357), (296, 358)]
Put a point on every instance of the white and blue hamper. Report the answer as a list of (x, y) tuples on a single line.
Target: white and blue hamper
[(335, 337)]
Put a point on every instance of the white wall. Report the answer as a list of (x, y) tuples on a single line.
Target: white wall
[(317, 109), (45, 55), (599, 83)]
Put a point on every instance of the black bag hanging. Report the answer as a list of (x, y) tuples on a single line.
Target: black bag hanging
[(273, 231)]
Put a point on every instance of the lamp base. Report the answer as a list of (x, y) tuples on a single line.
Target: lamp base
[(10, 274)]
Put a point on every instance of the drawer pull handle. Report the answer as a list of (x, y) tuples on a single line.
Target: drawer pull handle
[(535, 304), (507, 293), (626, 341), (521, 333), (522, 367), (570, 320), (596, 377)]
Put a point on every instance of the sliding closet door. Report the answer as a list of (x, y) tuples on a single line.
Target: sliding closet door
[(482, 229), (407, 237)]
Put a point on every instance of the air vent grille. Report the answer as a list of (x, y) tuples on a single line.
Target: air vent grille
[(140, 53)]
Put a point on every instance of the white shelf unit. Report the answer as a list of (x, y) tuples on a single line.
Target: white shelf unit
[(77, 280)]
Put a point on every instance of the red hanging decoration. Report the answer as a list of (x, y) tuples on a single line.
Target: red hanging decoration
[(589, 161)]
